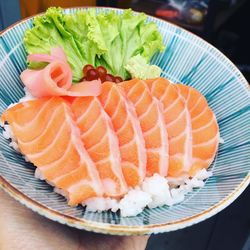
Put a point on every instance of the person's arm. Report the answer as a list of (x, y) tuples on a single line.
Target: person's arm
[(22, 229)]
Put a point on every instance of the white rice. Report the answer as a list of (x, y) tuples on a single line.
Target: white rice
[(14, 145), (38, 174), (99, 204), (134, 202), (221, 140), (155, 191), (7, 133), (158, 188), (27, 97), (26, 158)]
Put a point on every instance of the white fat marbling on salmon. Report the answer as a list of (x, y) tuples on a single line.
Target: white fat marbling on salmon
[(134, 137), (138, 136), (41, 154), (164, 150), (203, 121), (178, 124), (112, 187), (161, 150)]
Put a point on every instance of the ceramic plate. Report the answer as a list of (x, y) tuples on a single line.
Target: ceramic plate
[(187, 59)]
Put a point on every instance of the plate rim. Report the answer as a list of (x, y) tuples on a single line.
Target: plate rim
[(114, 229)]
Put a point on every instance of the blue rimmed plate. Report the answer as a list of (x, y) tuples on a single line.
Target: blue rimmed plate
[(187, 59)]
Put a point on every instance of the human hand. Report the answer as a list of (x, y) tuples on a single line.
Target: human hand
[(22, 229)]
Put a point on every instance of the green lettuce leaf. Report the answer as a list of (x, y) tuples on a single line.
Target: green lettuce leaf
[(106, 39), (120, 34), (49, 32), (138, 67), (80, 26), (125, 36)]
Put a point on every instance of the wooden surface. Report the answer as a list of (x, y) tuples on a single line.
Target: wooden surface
[(228, 230)]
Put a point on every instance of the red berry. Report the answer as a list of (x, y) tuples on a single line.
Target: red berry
[(118, 79), (92, 74), (103, 78), (84, 79), (101, 70), (86, 68), (110, 78)]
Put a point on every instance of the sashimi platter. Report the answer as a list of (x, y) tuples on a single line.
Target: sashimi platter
[(120, 123)]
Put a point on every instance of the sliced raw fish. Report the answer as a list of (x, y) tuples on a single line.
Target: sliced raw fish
[(205, 129), (178, 124), (128, 130), (48, 136), (101, 142), (151, 117)]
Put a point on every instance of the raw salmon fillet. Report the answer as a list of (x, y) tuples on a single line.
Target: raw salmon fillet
[(101, 143), (205, 130), (128, 130), (49, 137), (151, 117), (178, 124)]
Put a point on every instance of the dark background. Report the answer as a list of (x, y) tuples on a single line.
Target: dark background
[(227, 27), (228, 230)]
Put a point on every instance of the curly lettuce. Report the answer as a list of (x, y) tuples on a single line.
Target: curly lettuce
[(138, 67), (106, 38)]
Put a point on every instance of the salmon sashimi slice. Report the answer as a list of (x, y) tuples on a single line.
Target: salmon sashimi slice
[(48, 136), (178, 124), (150, 114), (101, 142), (129, 133), (205, 129)]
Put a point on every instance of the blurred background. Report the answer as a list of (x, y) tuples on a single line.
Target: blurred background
[(223, 23)]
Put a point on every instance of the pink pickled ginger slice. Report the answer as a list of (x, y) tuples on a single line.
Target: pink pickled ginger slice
[(56, 78)]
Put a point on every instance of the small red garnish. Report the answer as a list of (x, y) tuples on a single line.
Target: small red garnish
[(102, 71), (118, 79), (86, 68), (92, 74), (110, 78)]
